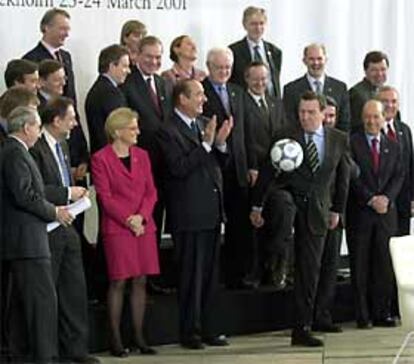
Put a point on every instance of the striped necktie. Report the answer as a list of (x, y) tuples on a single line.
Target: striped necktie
[(312, 152), (64, 167), (257, 57)]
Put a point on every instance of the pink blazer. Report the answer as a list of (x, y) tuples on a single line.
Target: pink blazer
[(121, 192)]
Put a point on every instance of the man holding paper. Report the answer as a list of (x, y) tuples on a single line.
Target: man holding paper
[(52, 157)]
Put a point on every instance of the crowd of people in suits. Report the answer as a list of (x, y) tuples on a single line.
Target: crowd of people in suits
[(187, 151)]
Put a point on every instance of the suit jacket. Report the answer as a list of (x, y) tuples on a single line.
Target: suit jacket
[(122, 192), (77, 142), (193, 183), (237, 140), (387, 182), (26, 210), (55, 191), (100, 101), (332, 87), (138, 98), (406, 194), (359, 94), (261, 128), (242, 58), (313, 192)]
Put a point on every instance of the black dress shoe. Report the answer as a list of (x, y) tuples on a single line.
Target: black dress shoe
[(119, 352), (364, 325), (155, 289), (216, 341), (144, 350), (193, 343), (87, 359), (385, 322), (330, 328), (302, 337)]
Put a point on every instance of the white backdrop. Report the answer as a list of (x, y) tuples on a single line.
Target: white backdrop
[(349, 28)]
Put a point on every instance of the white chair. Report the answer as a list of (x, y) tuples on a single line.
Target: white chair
[(402, 254)]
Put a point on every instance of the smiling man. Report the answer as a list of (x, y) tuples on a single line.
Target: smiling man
[(372, 218), (192, 147), (254, 48), (316, 79)]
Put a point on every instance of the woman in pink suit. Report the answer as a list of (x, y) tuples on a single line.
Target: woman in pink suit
[(126, 194)]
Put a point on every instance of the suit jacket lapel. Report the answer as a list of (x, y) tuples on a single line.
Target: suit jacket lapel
[(185, 130), (245, 52), (51, 158)]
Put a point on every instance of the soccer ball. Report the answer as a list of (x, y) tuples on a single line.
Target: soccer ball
[(286, 155)]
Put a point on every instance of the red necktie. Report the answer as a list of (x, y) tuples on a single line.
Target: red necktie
[(154, 96), (391, 133), (375, 155)]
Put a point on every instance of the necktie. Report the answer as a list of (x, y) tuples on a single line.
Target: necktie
[(312, 152), (224, 97), (256, 54), (375, 155), (63, 165), (58, 56), (154, 97), (318, 87), (391, 133), (263, 107)]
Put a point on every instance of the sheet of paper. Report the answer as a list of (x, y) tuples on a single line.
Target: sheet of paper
[(75, 209)]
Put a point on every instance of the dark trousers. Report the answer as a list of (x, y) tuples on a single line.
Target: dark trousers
[(238, 247), (70, 284), (198, 259), (327, 277), (308, 256), (272, 240), (33, 312), (371, 267)]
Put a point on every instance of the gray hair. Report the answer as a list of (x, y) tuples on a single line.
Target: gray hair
[(218, 51), (21, 116)]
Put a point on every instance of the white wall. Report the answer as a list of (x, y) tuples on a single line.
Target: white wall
[(349, 28)]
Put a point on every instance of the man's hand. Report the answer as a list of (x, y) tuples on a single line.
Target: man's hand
[(380, 204), (333, 220), (210, 131), (64, 216), (77, 192), (224, 131), (252, 175), (256, 219)]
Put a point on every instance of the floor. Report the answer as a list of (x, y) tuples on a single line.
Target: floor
[(379, 345)]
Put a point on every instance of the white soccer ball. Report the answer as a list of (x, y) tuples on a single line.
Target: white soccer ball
[(286, 155)]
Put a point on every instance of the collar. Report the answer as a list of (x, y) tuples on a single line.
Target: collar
[(370, 137), (20, 141), (217, 85), (50, 49), (144, 76), (184, 117), (256, 97), (50, 139), (253, 44), (45, 95), (312, 80), (110, 79)]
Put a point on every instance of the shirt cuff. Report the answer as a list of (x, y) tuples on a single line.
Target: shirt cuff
[(206, 146), (222, 148)]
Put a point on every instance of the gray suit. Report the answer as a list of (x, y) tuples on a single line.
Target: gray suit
[(25, 245)]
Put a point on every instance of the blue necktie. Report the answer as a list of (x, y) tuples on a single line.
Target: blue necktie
[(224, 97), (63, 165)]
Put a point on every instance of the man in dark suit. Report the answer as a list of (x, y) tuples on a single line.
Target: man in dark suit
[(26, 211), (314, 57), (105, 95), (265, 118), (254, 48), (398, 131), (146, 93), (372, 218), (55, 27), (376, 66), (51, 155), (192, 150), (225, 99), (310, 185), (22, 72)]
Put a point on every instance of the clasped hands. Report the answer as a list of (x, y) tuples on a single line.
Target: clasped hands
[(379, 203), (136, 224)]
